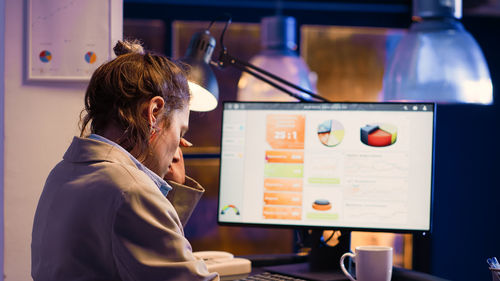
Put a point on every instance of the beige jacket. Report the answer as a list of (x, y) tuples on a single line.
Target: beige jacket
[(101, 218)]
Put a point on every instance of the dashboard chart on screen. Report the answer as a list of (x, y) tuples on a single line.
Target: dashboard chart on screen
[(343, 165)]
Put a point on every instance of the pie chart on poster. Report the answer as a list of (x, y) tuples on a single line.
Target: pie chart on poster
[(90, 57), (379, 135), (331, 133), (45, 56)]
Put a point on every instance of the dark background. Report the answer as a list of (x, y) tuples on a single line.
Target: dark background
[(466, 227)]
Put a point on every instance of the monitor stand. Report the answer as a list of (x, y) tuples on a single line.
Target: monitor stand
[(323, 261)]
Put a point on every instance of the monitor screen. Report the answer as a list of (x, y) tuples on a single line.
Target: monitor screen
[(357, 166)]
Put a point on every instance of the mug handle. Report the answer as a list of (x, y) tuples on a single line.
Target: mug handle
[(342, 266)]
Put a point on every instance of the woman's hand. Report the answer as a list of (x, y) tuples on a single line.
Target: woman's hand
[(176, 170)]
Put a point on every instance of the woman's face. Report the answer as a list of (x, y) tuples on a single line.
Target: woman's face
[(166, 141)]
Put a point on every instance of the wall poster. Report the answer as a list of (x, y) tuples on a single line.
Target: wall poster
[(68, 40)]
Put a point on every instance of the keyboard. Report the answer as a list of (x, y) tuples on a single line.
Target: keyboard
[(267, 276)]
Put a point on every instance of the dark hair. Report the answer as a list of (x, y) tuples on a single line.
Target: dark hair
[(119, 88)]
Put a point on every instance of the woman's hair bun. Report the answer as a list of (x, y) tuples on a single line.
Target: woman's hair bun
[(128, 47)]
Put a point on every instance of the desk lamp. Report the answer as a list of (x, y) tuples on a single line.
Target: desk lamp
[(438, 60), (202, 81)]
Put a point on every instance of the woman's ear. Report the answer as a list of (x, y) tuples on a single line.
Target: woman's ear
[(153, 109)]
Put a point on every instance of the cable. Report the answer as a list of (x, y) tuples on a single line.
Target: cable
[(221, 39), (210, 25)]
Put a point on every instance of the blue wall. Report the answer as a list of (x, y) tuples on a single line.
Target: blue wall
[(466, 196)]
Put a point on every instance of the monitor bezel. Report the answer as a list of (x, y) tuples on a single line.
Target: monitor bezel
[(341, 228)]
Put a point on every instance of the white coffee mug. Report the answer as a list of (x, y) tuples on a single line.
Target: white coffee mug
[(373, 263)]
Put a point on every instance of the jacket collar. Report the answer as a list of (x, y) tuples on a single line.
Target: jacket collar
[(89, 150), (97, 148)]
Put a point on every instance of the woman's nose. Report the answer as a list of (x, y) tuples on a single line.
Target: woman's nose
[(177, 155)]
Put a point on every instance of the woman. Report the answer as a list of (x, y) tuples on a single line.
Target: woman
[(103, 213)]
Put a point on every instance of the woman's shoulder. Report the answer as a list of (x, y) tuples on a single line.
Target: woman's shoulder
[(127, 178), (99, 176), (101, 163)]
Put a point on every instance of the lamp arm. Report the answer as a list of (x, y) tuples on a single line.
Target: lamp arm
[(226, 59)]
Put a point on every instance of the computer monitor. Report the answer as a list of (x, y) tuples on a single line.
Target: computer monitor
[(360, 166), (345, 166)]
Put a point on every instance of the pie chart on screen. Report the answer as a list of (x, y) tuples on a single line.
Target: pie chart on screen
[(379, 135), (45, 56), (331, 133)]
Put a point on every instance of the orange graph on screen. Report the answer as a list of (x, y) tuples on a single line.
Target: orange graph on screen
[(279, 184), (283, 213), (285, 131), (284, 156), (281, 198)]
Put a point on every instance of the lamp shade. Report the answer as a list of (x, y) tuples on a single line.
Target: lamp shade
[(276, 56), (201, 79), (438, 61)]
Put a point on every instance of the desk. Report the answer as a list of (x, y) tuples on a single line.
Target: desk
[(297, 264)]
